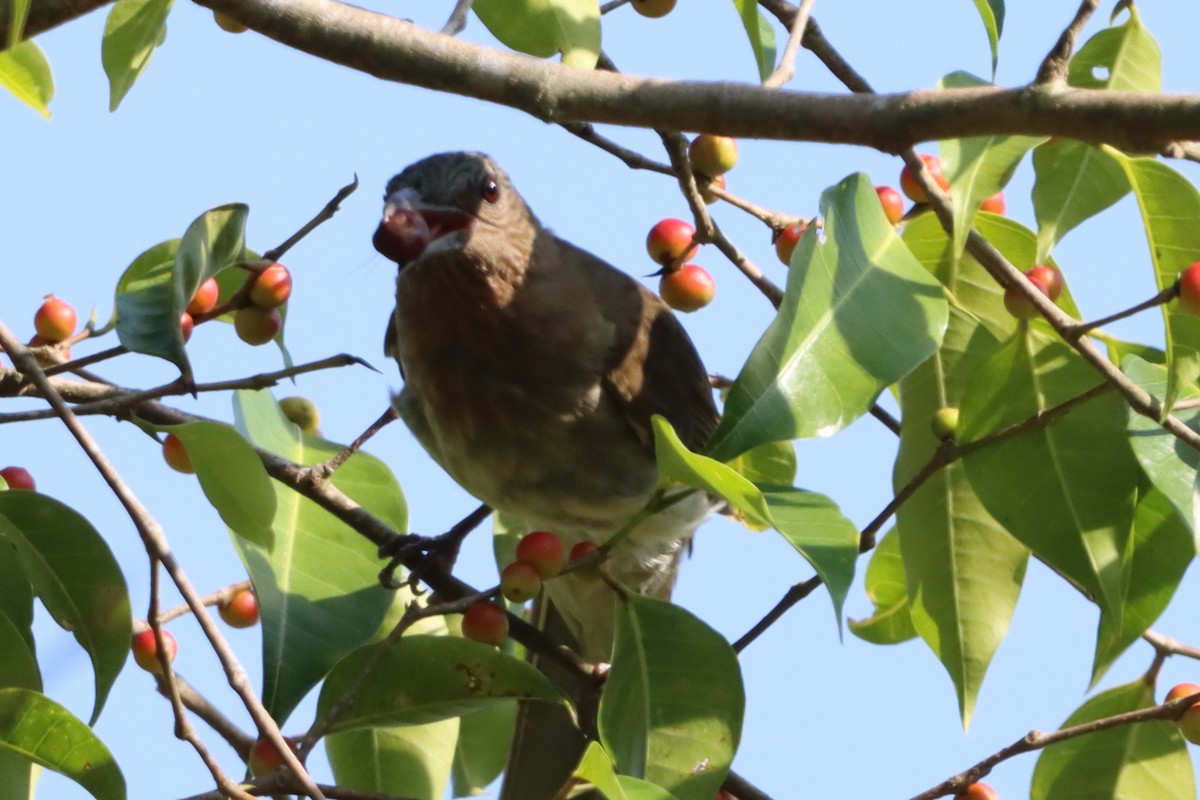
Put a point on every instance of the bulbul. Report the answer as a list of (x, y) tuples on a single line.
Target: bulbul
[(531, 371)]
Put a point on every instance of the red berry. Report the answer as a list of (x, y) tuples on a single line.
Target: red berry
[(265, 757), (205, 298), (979, 791), (272, 287), (653, 8), (1189, 289), (485, 622), (145, 650), (994, 204), (18, 478), (55, 320), (668, 241), (786, 240), (688, 288), (402, 236), (240, 610), (176, 455), (255, 325), (186, 324), (543, 551), (892, 202), (712, 155), (1047, 279), (519, 581), (909, 185), (1189, 723)]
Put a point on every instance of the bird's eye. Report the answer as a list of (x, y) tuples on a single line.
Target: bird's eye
[(490, 190)]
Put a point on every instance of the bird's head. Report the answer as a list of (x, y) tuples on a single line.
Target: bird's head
[(453, 203)]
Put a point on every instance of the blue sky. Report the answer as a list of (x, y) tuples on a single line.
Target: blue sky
[(219, 118)]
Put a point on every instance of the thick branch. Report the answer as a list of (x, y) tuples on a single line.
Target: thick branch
[(396, 50)]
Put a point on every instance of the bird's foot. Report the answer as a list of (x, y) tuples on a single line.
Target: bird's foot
[(423, 554)]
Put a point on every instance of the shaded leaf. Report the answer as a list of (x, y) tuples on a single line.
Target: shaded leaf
[(891, 623), (25, 71), (545, 27), (673, 703), (859, 313), (761, 36), (73, 572), (318, 589), (412, 762), (1170, 207), (133, 30), (977, 166), (816, 527), (18, 775), (1139, 761), (596, 768), (18, 664), (483, 741), (1075, 181), (232, 477), (1160, 551), (35, 727), (1065, 490), (443, 677)]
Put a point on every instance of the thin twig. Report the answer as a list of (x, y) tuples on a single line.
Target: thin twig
[(787, 62), (612, 5), (327, 468), (1188, 151), (199, 705), (889, 422), (1165, 644), (458, 18), (1053, 70), (212, 599), (1165, 296), (323, 215), (156, 544)]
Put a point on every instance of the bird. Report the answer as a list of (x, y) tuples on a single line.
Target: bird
[(531, 371)]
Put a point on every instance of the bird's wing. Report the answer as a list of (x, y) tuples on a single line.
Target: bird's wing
[(654, 368)]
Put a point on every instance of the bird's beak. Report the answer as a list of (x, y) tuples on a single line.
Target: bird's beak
[(409, 225)]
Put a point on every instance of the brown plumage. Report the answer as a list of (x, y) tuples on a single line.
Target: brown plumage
[(532, 369)]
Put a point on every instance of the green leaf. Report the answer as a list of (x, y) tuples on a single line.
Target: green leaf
[(1075, 181), (133, 30), (544, 27), (815, 526), (977, 166), (157, 286), (858, 314), (891, 623), (768, 463), (676, 462), (673, 704), (1122, 58), (232, 477), (35, 727), (18, 776), (441, 677), (1170, 464), (483, 741), (318, 589), (76, 577), (963, 570), (1139, 761), (18, 663), (16, 596), (1065, 490), (1160, 551), (16, 23), (1170, 207), (413, 762), (597, 769), (992, 14), (25, 71), (761, 35)]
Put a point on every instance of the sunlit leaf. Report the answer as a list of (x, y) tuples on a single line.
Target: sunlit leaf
[(1170, 207), (1146, 760), (545, 27), (73, 572), (318, 589), (133, 30), (25, 71), (891, 622), (992, 14), (1124, 58), (676, 462), (35, 727), (596, 768), (760, 34), (859, 313), (1075, 181), (412, 762), (673, 703)]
